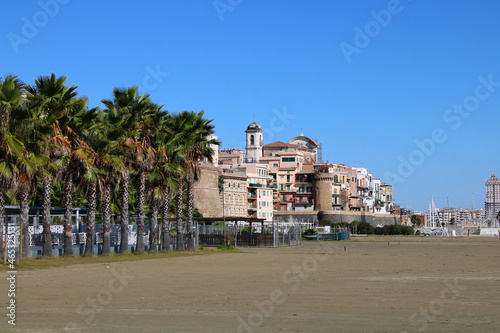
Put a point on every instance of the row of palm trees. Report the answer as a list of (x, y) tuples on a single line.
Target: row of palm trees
[(48, 133)]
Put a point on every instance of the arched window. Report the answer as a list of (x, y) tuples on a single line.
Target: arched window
[(252, 140)]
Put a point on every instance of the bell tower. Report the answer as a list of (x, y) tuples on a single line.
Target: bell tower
[(254, 142)]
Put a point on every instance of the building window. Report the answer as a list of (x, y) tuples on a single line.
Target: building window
[(288, 159), (252, 140)]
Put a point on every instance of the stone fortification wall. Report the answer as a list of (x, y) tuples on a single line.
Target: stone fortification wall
[(329, 217), (322, 191), (206, 192)]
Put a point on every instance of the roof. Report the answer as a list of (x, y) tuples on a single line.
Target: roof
[(493, 180), (254, 126), (269, 158), (305, 138), (279, 144), (305, 172)]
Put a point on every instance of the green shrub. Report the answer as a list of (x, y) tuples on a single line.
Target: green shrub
[(340, 224), (361, 227), (394, 229), (310, 232), (226, 247)]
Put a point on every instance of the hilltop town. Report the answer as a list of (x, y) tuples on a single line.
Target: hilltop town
[(288, 181)]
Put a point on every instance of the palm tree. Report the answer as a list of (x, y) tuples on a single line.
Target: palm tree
[(53, 98), (179, 225), (30, 127), (171, 172), (415, 220), (153, 195), (162, 179), (104, 141), (91, 174), (145, 155), (130, 108), (169, 185), (11, 90), (75, 120), (195, 138), (88, 185)]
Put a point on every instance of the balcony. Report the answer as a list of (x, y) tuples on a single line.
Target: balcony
[(254, 185), (252, 208), (302, 201)]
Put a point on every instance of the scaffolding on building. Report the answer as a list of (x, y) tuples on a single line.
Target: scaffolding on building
[(320, 152)]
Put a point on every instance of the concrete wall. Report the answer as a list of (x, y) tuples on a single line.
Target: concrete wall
[(490, 232), (329, 217)]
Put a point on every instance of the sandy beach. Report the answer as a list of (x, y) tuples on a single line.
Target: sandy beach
[(367, 284)]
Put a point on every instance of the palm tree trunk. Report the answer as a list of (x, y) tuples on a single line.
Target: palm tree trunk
[(106, 219), (2, 216), (179, 227), (91, 208), (47, 233), (68, 213), (23, 203), (165, 235), (141, 210), (189, 217), (153, 228), (124, 220)]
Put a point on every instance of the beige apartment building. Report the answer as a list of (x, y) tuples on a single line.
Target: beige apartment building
[(234, 196), (260, 190)]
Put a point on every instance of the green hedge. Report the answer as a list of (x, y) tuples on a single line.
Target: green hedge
[(367, 228), (394, 229)]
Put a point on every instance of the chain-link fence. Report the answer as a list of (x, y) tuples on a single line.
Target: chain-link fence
[(243, 234), (267, 234)]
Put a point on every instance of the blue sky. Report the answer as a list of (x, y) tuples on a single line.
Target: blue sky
[(367, 96)]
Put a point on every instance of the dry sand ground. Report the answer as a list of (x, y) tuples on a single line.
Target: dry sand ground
[(413, 285)]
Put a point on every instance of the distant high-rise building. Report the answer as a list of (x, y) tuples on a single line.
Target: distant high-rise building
[(492, 204)]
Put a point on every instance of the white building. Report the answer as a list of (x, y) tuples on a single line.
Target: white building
[(254, 142), (260, 192)]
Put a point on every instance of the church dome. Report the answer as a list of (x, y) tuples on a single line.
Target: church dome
[(254, 126)]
